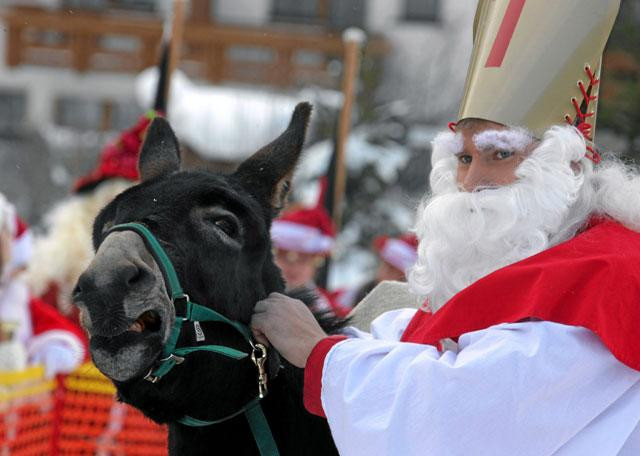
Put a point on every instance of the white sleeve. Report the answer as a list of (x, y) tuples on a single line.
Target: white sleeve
[(534, 388), (389, 326)]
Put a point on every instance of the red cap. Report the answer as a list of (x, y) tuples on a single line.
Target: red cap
[(118, 159), (304, 230), (401, 252)]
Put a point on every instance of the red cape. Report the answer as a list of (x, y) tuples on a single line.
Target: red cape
[(592, 281)]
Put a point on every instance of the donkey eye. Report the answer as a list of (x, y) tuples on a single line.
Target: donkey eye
[(226, 224)]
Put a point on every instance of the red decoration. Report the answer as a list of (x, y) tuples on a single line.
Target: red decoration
[(118, 159)]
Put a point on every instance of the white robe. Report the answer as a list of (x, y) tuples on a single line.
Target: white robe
[(531, 388)]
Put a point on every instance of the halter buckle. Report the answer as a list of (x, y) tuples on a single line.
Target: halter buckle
[(183, 297), (151, 378), (259, 358), (176, 359), (171, 358)]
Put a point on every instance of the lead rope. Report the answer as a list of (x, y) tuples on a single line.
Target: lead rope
[(173, 356)]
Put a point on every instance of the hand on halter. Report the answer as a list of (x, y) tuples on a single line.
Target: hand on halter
[(288, 325)]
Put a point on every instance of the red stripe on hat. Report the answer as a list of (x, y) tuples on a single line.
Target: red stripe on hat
[(505, 33)]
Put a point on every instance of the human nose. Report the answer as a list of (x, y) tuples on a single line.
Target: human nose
[(476, 176)]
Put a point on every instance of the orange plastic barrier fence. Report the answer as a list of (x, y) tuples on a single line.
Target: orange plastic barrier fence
[(26, 413), (76, 416)]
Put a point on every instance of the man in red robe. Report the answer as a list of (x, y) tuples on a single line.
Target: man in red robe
[(528, 263)]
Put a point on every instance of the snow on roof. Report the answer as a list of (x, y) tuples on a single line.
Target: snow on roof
[(222, 123)]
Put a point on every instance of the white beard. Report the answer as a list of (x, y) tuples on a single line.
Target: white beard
[(466, 236)]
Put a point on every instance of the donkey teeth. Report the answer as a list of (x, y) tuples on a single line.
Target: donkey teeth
[(149, 320), (136, 327)]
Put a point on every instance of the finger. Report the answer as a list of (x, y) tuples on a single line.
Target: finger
[(261, 323), (261, 306), (257, 320), (260, 337)]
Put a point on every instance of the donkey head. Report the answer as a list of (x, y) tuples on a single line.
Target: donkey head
[(215, 230)]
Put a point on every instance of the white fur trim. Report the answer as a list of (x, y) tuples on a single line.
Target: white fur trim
[(399, 254), (512, 139), (59, 337), (7, 216), (300, 238), (21, 251)]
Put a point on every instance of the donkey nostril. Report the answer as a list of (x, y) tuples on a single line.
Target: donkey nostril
[(133, 275), (84, 284), (77, 290)]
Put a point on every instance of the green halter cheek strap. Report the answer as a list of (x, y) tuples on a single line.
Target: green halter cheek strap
[(171, 356)]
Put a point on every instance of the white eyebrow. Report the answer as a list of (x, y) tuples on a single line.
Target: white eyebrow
[(513, 139)]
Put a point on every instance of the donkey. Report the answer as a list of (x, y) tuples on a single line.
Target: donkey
[(214, 230)]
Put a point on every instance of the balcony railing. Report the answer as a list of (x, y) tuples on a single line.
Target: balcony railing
[(86, 41)]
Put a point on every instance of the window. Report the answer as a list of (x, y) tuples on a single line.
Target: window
[(95, 114), (13, 108), (422, 10), (78, 113), (336, 14), (133, 5), (296, 11), (346, 13), (145, 6)]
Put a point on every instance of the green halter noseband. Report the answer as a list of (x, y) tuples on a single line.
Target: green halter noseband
[(195, 313)]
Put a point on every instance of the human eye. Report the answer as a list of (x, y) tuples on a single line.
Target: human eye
[(503, 154), (465, 159)]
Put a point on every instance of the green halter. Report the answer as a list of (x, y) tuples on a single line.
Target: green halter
[(171, 356)]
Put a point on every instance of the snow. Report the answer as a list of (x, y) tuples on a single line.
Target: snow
[(352, 269), (388, 160), (352, 263), (226, 123)]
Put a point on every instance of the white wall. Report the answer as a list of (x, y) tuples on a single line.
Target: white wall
[(428, 64)]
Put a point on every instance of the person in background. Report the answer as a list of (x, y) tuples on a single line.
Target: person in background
[(31, 332), (302, 239)]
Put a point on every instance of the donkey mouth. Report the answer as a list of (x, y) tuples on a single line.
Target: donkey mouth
[(129, 353), (148, 321)]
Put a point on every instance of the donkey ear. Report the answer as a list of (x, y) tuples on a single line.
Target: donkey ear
[(268, 172), (160, 153)]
